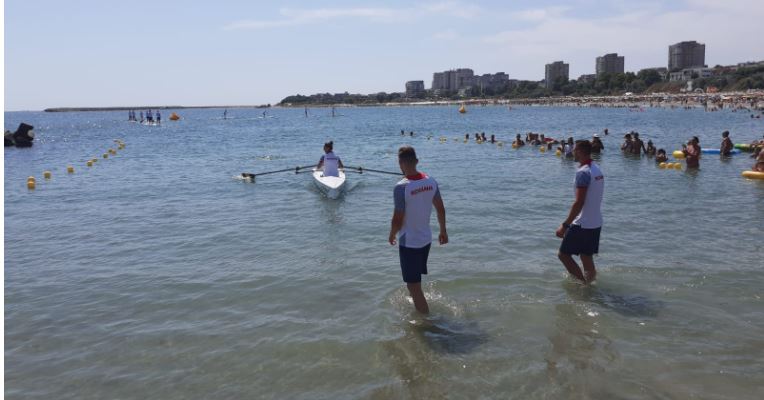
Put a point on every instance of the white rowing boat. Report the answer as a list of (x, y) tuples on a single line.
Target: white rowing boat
[(331, 186)]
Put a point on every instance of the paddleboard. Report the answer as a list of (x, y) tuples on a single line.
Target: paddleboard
[(718, 151)]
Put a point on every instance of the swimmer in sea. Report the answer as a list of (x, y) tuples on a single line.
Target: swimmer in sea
[(726, 146), (518, 142), (692, 152), (759, 165), (627, 143), (661, 156), (597, 145), (650, 149)]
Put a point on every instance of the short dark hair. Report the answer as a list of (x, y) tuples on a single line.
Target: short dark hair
[(407, 154), (585, 146), (726, 133), (329, 145)]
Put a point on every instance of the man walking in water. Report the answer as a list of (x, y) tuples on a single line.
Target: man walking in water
[(580, 232), (414, 196)]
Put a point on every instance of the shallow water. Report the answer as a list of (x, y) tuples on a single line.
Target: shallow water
[(157, 274)]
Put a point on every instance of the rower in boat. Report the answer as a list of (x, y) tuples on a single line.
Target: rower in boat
[(330, 180), (329, 161)]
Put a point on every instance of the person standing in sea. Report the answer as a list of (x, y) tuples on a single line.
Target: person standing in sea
[(580, 232), (726, 146), (414, 196), (692, 153)]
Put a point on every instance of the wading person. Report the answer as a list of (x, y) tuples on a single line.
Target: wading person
[(726, 146), (415, 195), (692, 153), (580, 232)]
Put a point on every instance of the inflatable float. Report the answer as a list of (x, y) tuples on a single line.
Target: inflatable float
[(753, 175)]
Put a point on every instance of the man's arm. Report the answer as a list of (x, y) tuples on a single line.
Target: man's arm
[(440, 209), (575, 209), (399, 198), (395, 225)]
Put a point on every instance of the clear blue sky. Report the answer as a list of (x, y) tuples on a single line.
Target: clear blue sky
[(109, 53)]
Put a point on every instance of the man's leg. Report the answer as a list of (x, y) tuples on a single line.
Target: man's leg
[(571, 266), (588, 263), (420, 303)]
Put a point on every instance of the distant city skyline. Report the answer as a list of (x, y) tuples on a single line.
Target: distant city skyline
[(103, 54)]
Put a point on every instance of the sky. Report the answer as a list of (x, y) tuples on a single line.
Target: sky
[(109, 53)]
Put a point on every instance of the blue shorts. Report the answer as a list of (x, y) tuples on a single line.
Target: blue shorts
[(413, 263), (578, 240)]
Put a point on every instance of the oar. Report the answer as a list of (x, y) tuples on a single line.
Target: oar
[(295, 169), (362, 169)]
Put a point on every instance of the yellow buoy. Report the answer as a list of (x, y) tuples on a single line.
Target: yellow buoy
[(90, 163), (543, 149), (46, 174), (105, 155), (678, 154), (662, 165), (70, 169), (558, 153), (31, 182), (514, 145), (677, 166)]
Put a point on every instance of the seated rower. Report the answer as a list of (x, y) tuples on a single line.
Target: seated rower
[(329, 161)]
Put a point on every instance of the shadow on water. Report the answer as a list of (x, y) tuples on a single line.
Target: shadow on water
[(629, 305), (419, 355), (579, 354), (446, 335)]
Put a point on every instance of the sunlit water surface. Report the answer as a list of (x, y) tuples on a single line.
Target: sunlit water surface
[(157, 274)]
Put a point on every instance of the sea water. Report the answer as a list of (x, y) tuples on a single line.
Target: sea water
[(156, 273)]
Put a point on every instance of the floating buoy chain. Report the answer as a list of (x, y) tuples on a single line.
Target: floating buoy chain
[(32, 183)]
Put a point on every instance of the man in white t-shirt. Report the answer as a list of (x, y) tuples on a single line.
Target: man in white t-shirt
[(581, 230), (414, 196), (330, 163)]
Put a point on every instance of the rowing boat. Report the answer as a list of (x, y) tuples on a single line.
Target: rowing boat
[(331, 186)]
